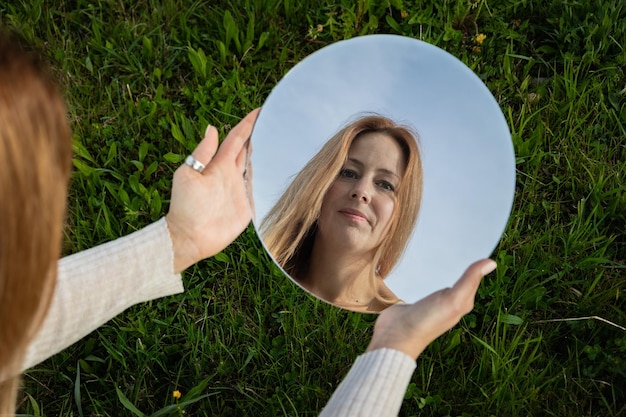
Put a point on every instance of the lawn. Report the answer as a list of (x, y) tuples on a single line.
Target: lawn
[(143, 78)]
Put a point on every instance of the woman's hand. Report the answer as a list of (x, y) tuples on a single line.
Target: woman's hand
[(209, 210), (409, 328)]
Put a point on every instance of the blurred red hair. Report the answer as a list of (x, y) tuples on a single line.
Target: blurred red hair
[(35, 155)]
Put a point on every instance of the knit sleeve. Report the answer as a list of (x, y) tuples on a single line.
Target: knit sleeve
[(95, 285), (375, 385)]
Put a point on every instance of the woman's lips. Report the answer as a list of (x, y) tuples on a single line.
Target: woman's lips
[(354, 215)]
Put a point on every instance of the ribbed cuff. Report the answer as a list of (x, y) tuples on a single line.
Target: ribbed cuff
[(375, 385)]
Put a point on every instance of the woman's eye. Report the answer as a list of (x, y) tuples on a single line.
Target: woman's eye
[(347, 173), (386, 186)]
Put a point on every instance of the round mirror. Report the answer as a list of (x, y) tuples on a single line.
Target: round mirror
[(467, 173)]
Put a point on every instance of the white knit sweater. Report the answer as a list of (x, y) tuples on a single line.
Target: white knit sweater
[(95, 285)]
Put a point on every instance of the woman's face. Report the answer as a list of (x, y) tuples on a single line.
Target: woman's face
[(357, 210)]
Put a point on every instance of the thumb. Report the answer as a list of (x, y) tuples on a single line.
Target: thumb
[(465, 288), (239, 135)]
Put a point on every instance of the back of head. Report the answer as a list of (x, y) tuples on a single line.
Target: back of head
[(35, 155)]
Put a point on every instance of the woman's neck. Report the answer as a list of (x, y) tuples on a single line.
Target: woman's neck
[(339, 277)]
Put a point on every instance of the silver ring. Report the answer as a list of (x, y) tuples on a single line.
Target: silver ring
[(195, 164)]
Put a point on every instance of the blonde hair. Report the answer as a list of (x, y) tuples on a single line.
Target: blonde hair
[(289, 228), (35, 153)]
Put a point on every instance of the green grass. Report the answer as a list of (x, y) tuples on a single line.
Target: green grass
[(143, 78)]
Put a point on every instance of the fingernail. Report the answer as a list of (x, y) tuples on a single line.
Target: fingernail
[(206, 132), (488, 267)]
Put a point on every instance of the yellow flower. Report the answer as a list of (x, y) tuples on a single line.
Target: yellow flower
[(404, 14), (476, 49), (176, 394), (480, 38)]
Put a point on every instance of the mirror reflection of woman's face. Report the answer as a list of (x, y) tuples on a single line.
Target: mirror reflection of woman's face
[(357, 210)]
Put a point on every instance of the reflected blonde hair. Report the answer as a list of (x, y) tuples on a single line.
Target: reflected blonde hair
[(35, 153), (289, 228)]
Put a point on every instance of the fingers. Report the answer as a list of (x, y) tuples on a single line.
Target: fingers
[(248, 157), (234, 143), (233, 147), (249, 184), (241, 160), (207, 147)]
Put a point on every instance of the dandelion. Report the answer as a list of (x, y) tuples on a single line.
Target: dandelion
[(404, 14), (314, 31), (176, 394), (480, 38)]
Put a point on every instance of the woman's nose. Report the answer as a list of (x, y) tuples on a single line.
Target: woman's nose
[(360, 192)]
